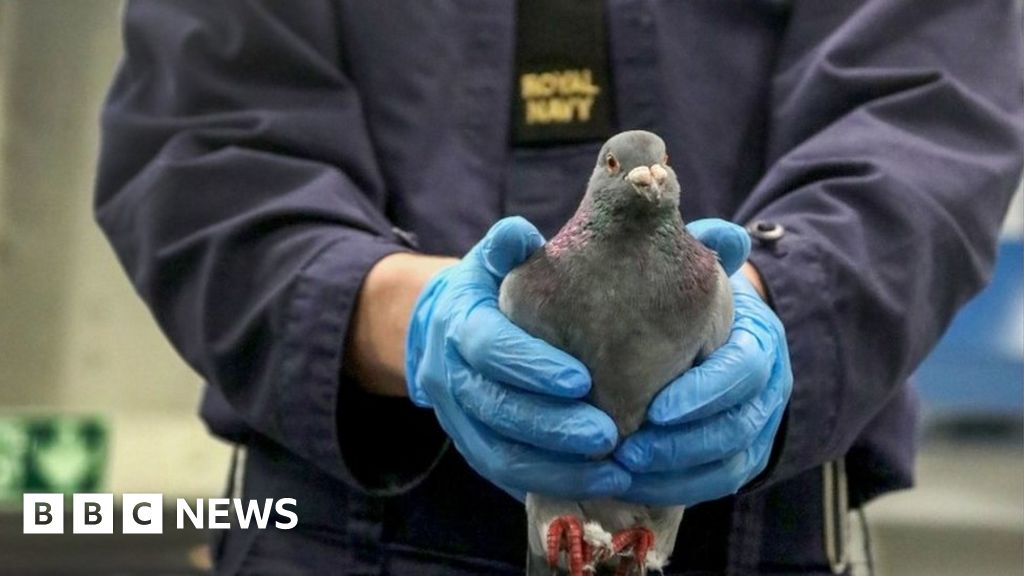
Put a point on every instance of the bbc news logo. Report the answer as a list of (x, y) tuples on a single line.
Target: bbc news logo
[(144, 513)]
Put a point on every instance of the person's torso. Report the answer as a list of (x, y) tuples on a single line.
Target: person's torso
[(438, 81)]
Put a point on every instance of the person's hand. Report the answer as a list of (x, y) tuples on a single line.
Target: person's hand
[(711, 431), (509, 401), (731, 242)]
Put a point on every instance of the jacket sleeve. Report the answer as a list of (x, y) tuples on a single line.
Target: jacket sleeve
[(895, 147), (239, 187)]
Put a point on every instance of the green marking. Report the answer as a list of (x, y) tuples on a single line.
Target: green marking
[(51, 453)]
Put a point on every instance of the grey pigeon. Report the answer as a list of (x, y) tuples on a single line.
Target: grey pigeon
[(627, 290)]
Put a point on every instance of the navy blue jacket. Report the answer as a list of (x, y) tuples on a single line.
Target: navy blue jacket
[(259, 157)]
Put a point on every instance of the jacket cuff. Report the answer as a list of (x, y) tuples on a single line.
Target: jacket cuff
[(794, 274), (327, 418)]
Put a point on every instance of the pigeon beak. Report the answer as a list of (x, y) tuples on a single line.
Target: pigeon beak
[(647, 181), (659, 174)]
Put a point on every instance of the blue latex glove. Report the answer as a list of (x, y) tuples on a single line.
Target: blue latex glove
[(509, 401), (711, 430), (731, 242)]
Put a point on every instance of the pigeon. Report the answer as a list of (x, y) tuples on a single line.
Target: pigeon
[(628, 291)]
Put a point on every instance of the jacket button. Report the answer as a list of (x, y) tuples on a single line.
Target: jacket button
[(766, 231)]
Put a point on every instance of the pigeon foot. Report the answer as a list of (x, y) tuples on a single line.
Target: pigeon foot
[(565, 533), (631, 547)]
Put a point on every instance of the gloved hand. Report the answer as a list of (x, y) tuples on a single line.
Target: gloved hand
[(711, 430), (509, 401), (731, 242)]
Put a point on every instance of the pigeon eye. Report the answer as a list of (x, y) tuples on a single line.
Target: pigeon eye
[(613, 164)]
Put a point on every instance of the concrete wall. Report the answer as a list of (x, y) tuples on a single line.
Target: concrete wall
[(73, 335)]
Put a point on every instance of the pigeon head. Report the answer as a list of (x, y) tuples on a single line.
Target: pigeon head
[(632, 171)]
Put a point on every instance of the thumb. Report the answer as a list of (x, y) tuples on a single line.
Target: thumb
[(730, 241), (508, 244)]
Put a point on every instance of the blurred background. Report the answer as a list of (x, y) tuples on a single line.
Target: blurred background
[(92, 398)]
